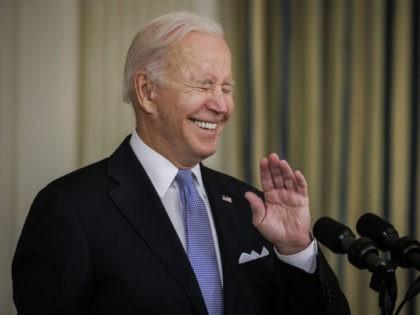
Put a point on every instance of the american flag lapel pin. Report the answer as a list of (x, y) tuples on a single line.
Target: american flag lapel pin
[(227, 198)]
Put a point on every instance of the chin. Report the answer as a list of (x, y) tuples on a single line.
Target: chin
[(203, 148), (204, 154)]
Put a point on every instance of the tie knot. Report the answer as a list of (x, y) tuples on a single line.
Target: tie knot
[(184, 177)]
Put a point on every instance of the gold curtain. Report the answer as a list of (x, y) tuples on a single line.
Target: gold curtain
[(333, 86)]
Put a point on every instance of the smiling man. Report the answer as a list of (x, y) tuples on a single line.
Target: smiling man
[(151, 230), (182, 117)]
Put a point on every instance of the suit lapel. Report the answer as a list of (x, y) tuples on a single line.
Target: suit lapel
[(138, 201), (224, 211)]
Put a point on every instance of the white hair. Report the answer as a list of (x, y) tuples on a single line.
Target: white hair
[(147, 50)]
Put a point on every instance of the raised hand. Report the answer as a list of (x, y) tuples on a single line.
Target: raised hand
[(283, 217)]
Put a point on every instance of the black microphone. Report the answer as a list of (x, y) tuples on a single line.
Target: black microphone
[(362, 253), (405, 251)]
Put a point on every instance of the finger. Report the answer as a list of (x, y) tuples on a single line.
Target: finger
[(265, 176), (288, 175), (275, 171), (257, 206), (301, 184)]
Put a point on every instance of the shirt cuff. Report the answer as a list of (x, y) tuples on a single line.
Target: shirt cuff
[(305, 259)]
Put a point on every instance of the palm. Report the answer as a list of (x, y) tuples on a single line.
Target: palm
[(283, 217)]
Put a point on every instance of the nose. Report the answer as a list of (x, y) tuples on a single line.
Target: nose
[(220, 102)]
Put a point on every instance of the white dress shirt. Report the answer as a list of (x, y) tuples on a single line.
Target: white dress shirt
[(162, 174)]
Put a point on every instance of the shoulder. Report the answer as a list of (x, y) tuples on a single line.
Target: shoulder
[(83, 179), (96, 177), (73, 189)]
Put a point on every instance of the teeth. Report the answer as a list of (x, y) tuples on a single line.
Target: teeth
[(205, 125)]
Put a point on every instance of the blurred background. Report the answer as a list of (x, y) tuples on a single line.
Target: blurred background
[(331, 85)]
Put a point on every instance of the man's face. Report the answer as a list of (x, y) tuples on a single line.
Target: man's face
[(195, 103)]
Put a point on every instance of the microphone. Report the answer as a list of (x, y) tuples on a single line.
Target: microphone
[(405, 251), (362, 253)]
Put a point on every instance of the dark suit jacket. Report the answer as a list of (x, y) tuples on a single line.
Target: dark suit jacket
[(99, 241)]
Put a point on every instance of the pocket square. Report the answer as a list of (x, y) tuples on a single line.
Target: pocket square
[(245, 257)]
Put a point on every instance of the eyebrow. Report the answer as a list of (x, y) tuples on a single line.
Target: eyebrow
[(230, 82)]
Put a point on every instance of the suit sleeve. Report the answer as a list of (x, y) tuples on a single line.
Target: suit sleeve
[(316, 294), (51, 268)]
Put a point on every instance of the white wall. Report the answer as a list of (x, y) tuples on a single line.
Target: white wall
[(38, 111)]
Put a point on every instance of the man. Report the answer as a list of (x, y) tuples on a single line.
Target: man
[(116, 237)]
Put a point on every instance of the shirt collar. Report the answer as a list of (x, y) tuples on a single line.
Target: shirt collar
[(160, 170)]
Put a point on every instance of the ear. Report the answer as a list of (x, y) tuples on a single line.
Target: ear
[(144, 92)]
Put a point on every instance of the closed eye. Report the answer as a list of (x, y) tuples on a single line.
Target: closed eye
[(227, 88), (205, 86)]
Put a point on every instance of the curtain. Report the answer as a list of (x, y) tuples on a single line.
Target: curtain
[(333, 87), (38, 110)]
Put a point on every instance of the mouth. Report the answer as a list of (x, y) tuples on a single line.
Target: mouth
[(205, 124)]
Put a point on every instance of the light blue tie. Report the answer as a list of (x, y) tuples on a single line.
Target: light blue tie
[(200, 245)]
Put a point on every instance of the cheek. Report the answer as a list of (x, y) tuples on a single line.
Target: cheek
[(167, 105)]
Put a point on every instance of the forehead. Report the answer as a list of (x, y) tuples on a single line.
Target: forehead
[(201, 52)]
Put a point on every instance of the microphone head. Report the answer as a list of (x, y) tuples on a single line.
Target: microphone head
[(378, 230), (334, 235)]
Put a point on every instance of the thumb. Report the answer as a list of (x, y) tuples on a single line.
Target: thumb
[(257, 206)]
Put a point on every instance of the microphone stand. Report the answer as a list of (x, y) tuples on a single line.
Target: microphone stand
[(384, 282), (413, 290)]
